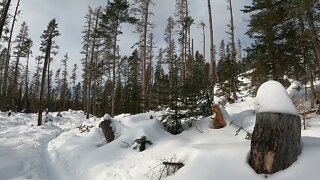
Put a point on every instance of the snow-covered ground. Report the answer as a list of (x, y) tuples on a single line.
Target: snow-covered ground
[(58, 150)]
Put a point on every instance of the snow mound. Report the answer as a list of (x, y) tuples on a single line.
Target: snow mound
[(273, 97)]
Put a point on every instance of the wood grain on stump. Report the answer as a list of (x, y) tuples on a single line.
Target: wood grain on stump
[(218, 121), (276, 142), (107, 130)]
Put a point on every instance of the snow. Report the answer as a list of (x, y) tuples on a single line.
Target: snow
[(60, 150), (273, 97)]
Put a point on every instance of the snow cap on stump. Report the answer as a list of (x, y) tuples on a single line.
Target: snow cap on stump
[(273, 97)]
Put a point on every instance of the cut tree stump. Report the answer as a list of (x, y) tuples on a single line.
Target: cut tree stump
[(107, 130), (218, 121), (276, 142)]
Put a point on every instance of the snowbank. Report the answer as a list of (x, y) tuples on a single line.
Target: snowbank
[(273, 97)]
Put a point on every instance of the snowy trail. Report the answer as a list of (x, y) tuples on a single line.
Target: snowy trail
[(24, 150)]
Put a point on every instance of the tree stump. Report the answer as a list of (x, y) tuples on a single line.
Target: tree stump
[(218, 121), (275, 142), (107, 130)]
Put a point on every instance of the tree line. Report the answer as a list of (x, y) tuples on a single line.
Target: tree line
[(176, 76)]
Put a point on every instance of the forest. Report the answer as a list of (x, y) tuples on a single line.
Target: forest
[(285, 42)]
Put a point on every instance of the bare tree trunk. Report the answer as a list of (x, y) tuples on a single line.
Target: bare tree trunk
[(91, 69), (144, 55), (212, 60), (85, 83), (4, 16), (7, 62), (46, 62), (27, 83), (233, 53), (114, 72), (314, 36)]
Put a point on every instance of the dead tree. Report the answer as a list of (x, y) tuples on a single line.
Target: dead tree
[(107, 130), (275, 142), (218, 121)]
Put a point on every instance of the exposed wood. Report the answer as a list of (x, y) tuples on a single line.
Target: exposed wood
[(276, 142), (218, 121), (107, 130)]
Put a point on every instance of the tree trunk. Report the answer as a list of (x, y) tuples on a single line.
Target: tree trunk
[(212, 60), (233, 53), (107, 130), (314, 36), (275, 142), (46, 61), (144, 55), (91, 69), (4, 16), (7, 62)]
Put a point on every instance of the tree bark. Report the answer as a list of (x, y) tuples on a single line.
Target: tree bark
[(4, 16), (91, 69), (46, 61), (144, 54), (7, 62), (107, 130), (233, 53), (212, 60), (276, 142)]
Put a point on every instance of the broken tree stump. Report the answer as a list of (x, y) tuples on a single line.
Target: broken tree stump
[(107, 130), (218, 121), (275, 142), (141, 143)]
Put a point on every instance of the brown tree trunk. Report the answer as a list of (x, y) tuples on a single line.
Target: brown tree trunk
[(276, 142), (212, 60), (313, 36), (91, 69), (7, 62), (107, 130), (233, 52), (144, 55), (46, 61), (4, 16)]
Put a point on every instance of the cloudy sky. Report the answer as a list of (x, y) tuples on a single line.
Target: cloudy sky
[(70, 17)]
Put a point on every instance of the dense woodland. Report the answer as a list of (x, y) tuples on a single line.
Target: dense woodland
[(285, 37)]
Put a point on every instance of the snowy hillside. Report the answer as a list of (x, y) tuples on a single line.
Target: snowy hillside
[(60, 150)]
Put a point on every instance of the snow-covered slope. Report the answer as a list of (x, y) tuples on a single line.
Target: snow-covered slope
[(59, 150)]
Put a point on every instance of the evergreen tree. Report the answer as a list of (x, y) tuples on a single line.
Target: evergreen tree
[(47, 44), (115, 14), (64, 82), (132, 87)]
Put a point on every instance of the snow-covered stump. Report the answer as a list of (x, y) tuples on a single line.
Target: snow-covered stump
[(107, 129), (275, 143), (276, 139)]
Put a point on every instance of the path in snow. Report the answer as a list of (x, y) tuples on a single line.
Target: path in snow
[(24, 147)]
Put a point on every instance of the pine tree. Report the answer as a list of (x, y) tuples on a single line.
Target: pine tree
[(212, 58), (7, 61), (115, 14), (233, 51), (47, 44), (74, 86), (170, 56), (142, 26), (132, 87), (22, 49), (64, 82)]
